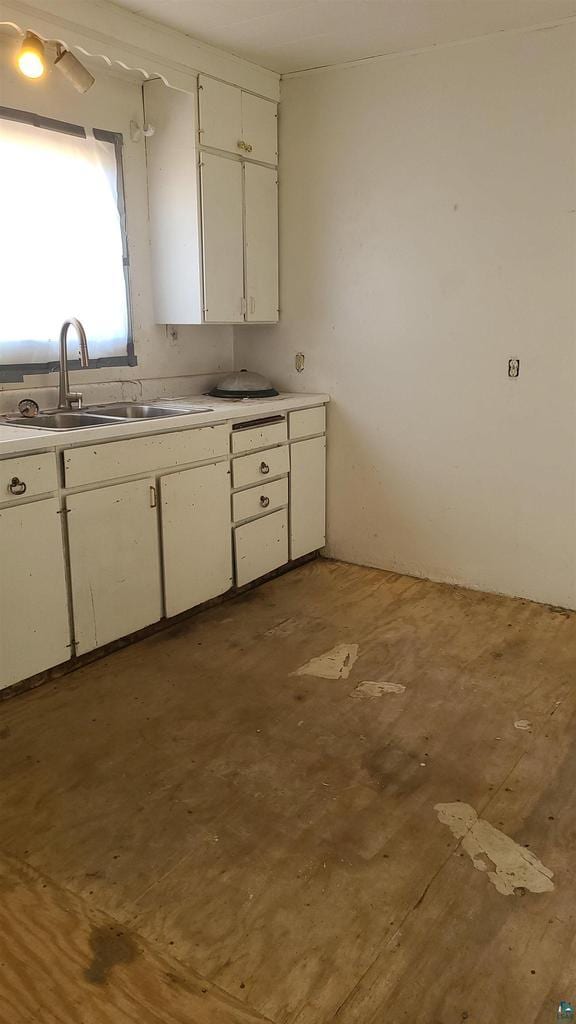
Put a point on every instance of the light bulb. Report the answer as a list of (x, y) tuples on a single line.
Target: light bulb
[(31, 56)]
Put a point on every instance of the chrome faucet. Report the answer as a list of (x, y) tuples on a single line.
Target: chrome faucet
[(70, 399)]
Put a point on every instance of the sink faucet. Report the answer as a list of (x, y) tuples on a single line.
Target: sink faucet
[(70, 399)]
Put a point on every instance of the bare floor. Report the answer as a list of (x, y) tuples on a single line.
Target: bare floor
[(191, 833)]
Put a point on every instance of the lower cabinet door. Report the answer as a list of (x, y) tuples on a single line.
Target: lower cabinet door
[(307, 496), (34, 628), (114, 562), (261, 546), (196, 535)]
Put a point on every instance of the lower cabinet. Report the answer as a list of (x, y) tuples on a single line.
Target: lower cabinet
[(307, 496), (114, 562), (196, 535), (261, 546), (34, 628)]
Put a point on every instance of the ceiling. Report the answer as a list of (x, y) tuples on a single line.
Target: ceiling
[(293, 35)]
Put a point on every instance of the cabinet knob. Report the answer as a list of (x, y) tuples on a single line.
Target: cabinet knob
[(17, 486), (244, 145), (264, 468), (264, 501)]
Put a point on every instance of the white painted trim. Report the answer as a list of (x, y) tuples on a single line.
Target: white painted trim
[(101, 29), (395, 54)]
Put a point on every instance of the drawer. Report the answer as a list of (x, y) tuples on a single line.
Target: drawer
[(247, 438), (27, 476), (143, 454), (250, 469), (307, 421), (258, 500), (261, 546)]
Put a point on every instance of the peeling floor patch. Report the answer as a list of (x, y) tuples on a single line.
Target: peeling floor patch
[(335, 664), (512, 869), (372, 689)]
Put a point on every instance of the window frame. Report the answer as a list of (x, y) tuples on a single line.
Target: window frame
[(12, 373)]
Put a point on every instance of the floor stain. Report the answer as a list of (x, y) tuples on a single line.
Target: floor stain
[(512, 869), (285, 628), (110, 947), (334, 664)]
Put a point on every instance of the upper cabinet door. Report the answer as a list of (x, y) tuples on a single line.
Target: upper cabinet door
[(220, 115), (222, 239), (259, 129), (261, 240)]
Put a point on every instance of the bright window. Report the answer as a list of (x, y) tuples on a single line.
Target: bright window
[(63, 250)]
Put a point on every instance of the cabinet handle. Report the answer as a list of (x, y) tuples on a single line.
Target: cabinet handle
[(264, 468), (17, 486), (153, 497), (252, 304), (264, 501), (244, 145)]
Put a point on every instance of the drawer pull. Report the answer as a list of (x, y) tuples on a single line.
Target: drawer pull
[(264, 468), (264, 500), (17, 486)]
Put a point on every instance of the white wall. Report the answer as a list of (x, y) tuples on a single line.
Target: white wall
[(427, 235), (165, 366)]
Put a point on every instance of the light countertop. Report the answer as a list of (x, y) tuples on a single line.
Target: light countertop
[(15, 440)]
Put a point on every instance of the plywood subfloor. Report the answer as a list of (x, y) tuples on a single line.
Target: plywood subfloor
[(191, 832)]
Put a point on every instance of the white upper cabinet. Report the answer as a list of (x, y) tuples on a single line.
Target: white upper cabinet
[(220, 108), (222, 239), (174, 204), (261, 242), (260, 128), (237, 121), (213, 215)]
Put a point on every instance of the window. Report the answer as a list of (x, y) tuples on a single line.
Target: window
[(63, 249)]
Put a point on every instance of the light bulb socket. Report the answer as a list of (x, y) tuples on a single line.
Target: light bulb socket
[(74, 71)]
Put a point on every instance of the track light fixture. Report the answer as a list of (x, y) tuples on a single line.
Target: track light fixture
[(32, 63), (32, 57), (73, 70)]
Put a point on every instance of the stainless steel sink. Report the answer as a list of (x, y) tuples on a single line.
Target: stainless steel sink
[(137, 411), (96, 416), (61, 420)]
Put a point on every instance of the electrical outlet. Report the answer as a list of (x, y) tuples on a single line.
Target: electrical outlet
[(299, 362), (513, 367)]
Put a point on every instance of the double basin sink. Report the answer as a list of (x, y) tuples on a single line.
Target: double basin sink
[(97, 416)]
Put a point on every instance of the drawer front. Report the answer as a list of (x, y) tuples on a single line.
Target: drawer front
[(246, 439), (307, 421), (251, 469), (261, 546), (259, 500), (143, 454), (25, 477)]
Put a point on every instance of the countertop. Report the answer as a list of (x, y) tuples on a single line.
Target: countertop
[(15, 440)]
